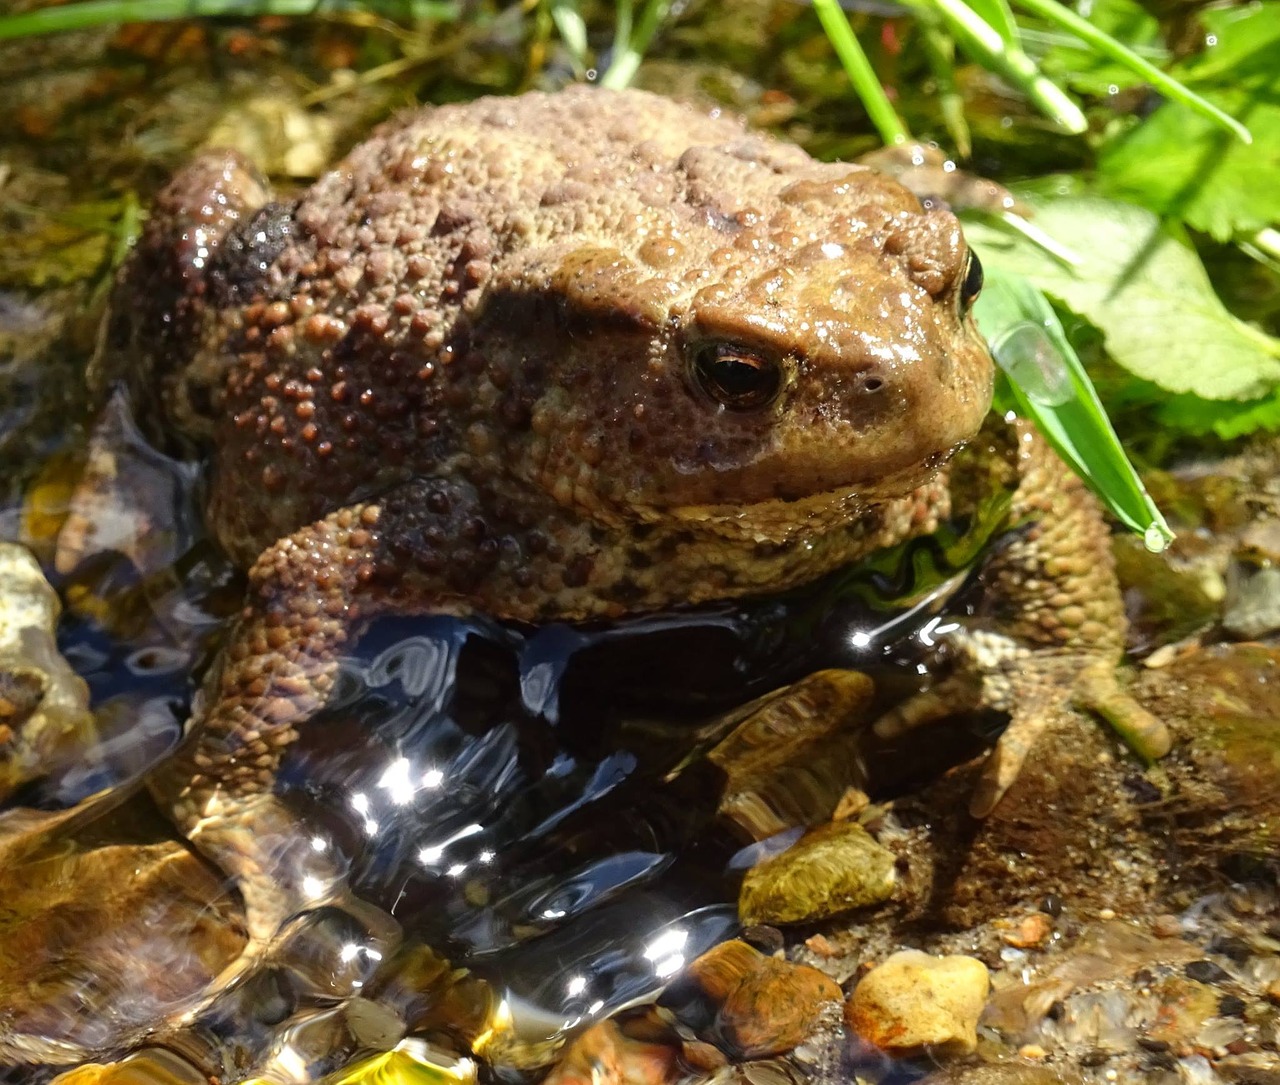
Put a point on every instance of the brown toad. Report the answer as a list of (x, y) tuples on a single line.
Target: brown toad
[(572, 356)]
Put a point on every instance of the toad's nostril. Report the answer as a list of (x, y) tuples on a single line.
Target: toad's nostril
[(870, 384)]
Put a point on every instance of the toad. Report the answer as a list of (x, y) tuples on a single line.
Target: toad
[(575, 356)]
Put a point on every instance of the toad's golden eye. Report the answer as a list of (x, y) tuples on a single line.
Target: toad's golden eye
[(736, 376), (972, 285)]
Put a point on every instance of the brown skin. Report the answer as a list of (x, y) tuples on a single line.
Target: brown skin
[(563, 357)]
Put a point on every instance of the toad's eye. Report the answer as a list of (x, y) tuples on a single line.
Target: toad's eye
[(735, 376), (972, 285)]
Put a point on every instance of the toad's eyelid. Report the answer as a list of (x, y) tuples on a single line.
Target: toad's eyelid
[(773, 339)]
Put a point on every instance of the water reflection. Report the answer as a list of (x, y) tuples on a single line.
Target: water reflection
[(542, 807), (536, 805)]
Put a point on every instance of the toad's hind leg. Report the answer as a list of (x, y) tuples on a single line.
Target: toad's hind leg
[(1052, 632)]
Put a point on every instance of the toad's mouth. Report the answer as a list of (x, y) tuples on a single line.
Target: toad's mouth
[(781, 518)]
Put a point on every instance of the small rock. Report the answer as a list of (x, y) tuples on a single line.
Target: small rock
[(44, 706), (1218, 1033), (703, 1056), (152, 924), (767, 1005), (409, 1060), (1205, 971), (1184, 1007), (765, 938), (373, 1025), (1166, 926), (1231, 1006), (821, 945), (1273, 992), (603, 1055), (829, 870), (1252, 1068), (1000, 1073), (1032, 930), (1234, 949), (914, 1000)]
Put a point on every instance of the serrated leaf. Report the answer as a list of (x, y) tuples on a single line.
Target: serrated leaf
[(1241, 45), (1146, 290), (1183, 166)]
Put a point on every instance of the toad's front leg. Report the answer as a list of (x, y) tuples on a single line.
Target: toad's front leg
[(431, 546), (308, 595), (1051, 632)]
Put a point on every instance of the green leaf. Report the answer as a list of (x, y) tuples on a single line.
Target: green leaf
[(865, 82), (1183, 166), (1241, 46), (1227, 419), (1051, 387), (92, 13), (1147, 291), (571, 28), (1171, 88), (985, 44)]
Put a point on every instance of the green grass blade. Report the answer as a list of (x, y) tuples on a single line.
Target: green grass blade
[(1108, 46), (866, 84), (984, 43), (1051, 387), (572, 29), (1000, 16), (94, 13)]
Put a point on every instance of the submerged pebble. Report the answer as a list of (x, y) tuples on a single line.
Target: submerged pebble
[(151, 1066), (829, 870), (102, 943), (604, 1055), (913, 1000), (767, 1005), (44, 706)]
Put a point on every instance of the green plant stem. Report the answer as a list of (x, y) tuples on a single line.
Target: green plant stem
[(626, 62), (623, 19), (982, 41), (1263, 245), (1109, 47), (939, 53), (92, 13), (866, 83)]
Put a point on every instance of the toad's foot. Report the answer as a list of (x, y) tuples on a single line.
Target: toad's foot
[(1051, 631), (282, 871), (1035, 689)]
